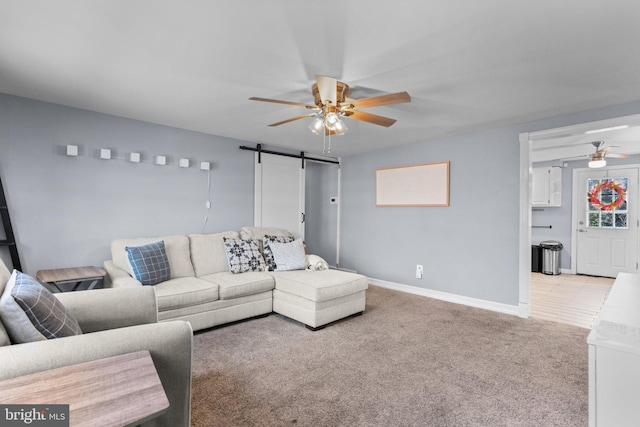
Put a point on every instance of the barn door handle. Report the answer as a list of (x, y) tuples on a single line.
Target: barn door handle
[(303, 217)]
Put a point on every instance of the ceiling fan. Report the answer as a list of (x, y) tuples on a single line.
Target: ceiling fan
[(598, 158), (331, 103)]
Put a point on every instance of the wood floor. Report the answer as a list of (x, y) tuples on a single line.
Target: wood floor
[(568, 298)]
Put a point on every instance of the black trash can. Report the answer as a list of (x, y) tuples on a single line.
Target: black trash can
[(551, 256), (536, 259)]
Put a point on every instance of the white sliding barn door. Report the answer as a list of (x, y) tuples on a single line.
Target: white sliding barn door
[(279, 193)]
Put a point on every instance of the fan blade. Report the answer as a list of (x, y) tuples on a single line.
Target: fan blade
[(292, 119), (369, 118), (328, 89), (375, 101), (616, 156), (609, 148), (277, 101)]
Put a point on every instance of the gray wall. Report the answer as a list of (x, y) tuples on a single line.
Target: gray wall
[(559, 218), (469, 248), (321, 215), (67, 210)]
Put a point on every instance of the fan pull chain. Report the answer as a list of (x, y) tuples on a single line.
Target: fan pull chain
[(324, 142)]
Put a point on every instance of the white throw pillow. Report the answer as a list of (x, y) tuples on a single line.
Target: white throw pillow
[(289, 256)]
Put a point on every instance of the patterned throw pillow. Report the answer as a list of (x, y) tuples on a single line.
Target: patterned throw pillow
[(268, 253), (149, 262), (289, 256), (31, 313), (243, 255)]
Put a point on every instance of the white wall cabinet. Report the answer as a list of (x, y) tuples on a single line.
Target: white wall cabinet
[(546, 186), (614, 357)]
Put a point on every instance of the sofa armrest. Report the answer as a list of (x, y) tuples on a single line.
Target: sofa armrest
[(119, 278), (100, 309), (169, 344)]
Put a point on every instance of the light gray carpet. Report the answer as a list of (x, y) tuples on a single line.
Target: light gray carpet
[(407, 361)]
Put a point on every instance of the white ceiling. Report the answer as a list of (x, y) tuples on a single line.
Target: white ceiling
[(467, 64)]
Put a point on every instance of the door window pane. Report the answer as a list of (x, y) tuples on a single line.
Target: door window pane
[(607, 204)]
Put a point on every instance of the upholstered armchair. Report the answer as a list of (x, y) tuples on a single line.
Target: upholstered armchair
[(113, 322)]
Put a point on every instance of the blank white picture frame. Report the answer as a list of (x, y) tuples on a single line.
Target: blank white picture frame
[(425, 184)]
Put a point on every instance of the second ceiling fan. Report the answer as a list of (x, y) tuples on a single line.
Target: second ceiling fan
[(332, 103), (597, 159)]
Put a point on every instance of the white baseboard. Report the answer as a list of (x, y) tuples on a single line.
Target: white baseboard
[(444, 296)]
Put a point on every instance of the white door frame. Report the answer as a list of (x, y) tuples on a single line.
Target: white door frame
[(524, 261), (574, 211)]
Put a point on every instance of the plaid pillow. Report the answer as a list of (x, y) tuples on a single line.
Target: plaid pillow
[(243, 255), (31, 313), (149, 262), (268, 253)]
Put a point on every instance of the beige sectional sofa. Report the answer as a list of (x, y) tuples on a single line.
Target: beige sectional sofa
[(203, 291)]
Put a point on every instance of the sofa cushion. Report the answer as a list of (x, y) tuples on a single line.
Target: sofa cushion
[(319, 285), (289, 256), (243, 255), (184, 292), (176, 248), (240, 285), (268, 253), (31, 313), (208, 254), (149, 262)]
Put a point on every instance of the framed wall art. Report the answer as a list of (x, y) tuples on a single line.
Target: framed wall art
[(424, 184)]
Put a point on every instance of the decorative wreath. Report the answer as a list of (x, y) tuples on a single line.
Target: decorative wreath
[(595, 200)]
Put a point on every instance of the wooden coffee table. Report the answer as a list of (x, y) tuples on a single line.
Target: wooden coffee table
[(72, 279), (121, 390)]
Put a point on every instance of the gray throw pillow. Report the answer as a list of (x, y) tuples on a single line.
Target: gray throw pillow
[(289, 256), (268, 254), (30, 312)]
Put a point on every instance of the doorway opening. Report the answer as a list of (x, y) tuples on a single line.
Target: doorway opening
[(568, 148)]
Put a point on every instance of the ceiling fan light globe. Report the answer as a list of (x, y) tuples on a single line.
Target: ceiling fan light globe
[(598, 163), (339, 126), (332, 120), (316, 126)]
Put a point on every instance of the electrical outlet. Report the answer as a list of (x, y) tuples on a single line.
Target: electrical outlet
[(419, 271)]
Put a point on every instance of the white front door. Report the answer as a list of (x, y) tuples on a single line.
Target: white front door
[(607, 221), (279, 193)]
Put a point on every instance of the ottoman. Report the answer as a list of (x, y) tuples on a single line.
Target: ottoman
[(317, 298)]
